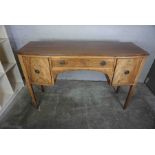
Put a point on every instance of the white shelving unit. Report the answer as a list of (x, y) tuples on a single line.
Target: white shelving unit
[(10, 78)]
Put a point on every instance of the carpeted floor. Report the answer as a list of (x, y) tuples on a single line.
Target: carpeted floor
[(81, 105)]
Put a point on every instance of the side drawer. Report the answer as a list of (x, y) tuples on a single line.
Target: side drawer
[(83, 62), (38, 70), (126, 71)]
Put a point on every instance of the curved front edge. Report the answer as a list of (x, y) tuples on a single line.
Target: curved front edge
[(108, 72)]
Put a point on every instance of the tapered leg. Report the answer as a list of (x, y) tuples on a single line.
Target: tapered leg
[(42, 88), (130, 93), (31, 91), (29, 86), (117, 89)]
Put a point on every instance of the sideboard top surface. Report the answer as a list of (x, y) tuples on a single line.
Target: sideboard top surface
[(82, 48)]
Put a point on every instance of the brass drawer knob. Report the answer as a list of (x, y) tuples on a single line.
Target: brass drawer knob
[(37, 71), (103, 63), (62, 62), (126, 72)]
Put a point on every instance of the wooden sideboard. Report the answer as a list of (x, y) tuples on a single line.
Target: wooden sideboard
[(121, 62)]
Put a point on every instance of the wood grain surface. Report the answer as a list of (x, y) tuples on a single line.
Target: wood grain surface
[(83, 62), (82, 48), (126, 71), (38, 70), (120, 62)]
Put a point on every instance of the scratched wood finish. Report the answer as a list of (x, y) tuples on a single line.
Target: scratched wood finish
[(120, 62), (28, 83), (38, 70), (83, 62), (82, 48), (126, 71), (132, 87)]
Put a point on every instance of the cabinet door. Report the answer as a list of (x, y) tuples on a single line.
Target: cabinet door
[(38, 70), (126, 71)]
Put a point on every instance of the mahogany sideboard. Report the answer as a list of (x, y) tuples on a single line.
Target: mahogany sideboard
[(121, 62)]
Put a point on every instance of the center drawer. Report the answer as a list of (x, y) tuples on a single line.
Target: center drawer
[(83, 62)]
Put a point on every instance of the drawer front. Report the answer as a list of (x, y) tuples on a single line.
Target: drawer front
[(38, 70), (83, 62), (126, 71)]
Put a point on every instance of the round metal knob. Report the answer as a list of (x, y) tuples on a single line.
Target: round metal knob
[(103, 63), (37, 71), (126, 72), (62, 62)]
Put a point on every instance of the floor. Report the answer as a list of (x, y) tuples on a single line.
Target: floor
[(81, 105)]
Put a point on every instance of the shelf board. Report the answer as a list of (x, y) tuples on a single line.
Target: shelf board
[(2, 40), (4, 98), (8, 73), (1, 74), (18, 86), (8, 66)]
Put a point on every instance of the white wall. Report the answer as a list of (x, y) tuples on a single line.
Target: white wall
[(143, 36)]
